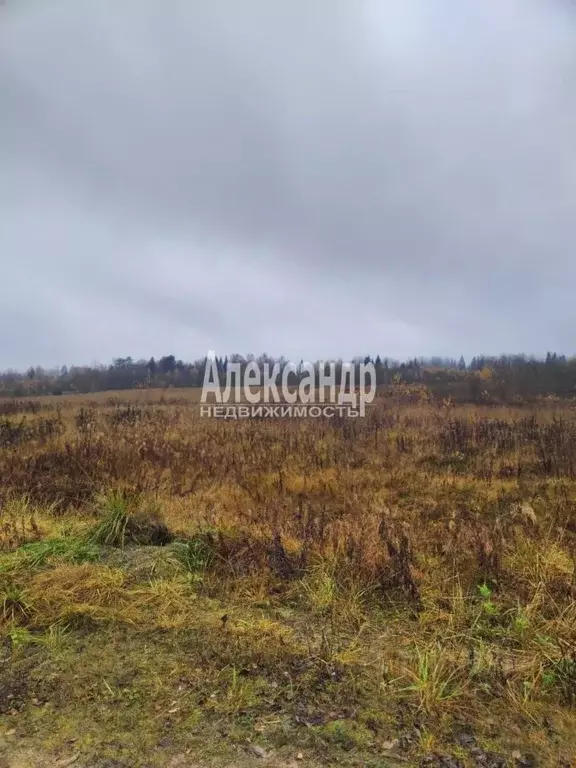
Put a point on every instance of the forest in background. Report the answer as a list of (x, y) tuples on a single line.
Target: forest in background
[(484, 379)]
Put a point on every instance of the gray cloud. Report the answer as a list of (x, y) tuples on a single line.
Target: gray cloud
[(320, 177)]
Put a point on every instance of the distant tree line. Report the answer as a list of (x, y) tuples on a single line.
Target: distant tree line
[(503, 379)]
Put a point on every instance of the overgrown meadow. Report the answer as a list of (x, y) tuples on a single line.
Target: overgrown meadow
[(176, 590)]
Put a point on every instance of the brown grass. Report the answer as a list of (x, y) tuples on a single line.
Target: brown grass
[(409, 572)]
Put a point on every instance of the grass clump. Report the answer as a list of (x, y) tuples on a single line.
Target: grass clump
[(126, 519), (72, 593), (15, 603), (195, 556), (560, 675), (435, 679)]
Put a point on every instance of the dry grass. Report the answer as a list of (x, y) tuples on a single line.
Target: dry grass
[(324, 586)]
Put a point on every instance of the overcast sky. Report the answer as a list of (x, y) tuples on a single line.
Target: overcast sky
[(318, 178)]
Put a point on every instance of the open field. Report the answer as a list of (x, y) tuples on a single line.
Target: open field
[(394, 590)]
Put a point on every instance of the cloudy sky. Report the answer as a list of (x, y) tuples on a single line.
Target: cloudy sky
[(306, 177)]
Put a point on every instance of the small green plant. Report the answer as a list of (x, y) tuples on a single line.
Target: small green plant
[(20, 637), (520, 624), (561, 676), (489, 608)]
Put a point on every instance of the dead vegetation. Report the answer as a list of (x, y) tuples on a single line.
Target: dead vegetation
[(358, 591)]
